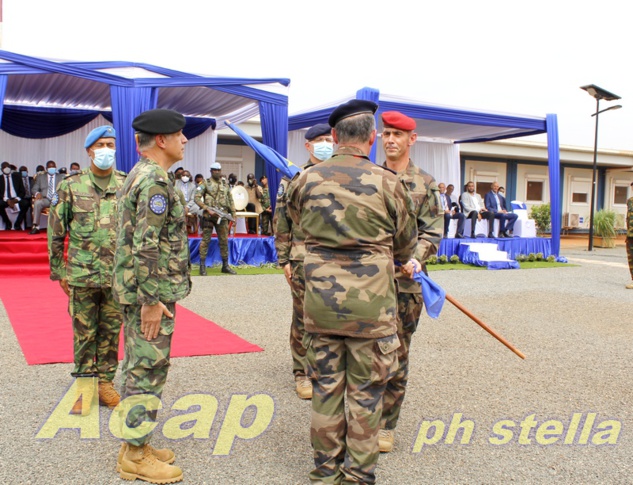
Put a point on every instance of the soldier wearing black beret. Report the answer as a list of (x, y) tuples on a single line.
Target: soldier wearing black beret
[(151, 273)]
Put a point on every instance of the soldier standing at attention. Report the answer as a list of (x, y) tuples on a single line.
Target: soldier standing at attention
[(357, 219), (214, 193), (398, 137), (151, 273), (291, 251), (266, 215), (629, 237), (84, 208)]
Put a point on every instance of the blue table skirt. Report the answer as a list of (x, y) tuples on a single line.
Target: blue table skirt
[(253, 251), (513, 246)]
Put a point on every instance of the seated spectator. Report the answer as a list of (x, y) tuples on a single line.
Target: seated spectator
[(12, 196), (454, 197), (27, 182), (475, 210), (178, 173), (496, 203), (199, 178), (44, 189), (451, 211), (75, 168)]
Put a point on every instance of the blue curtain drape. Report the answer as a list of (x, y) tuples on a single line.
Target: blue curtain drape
[(127, 104), (3, 90), (38, 123), (274, 119), (553, 154)]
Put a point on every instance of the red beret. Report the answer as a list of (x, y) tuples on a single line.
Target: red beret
[(395, 119)]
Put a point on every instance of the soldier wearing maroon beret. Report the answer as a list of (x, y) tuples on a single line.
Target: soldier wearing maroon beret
[(398, 136)]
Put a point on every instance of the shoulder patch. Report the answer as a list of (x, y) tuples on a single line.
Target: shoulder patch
[(158, 204), (55, 199), (281, 190)]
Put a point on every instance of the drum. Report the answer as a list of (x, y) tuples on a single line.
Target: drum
[(240, 197)]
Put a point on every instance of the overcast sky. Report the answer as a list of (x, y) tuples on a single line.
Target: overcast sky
[(528, 58)]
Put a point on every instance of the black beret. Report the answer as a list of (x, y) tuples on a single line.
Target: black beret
[(159, 121), (351, 108), (318, 130)]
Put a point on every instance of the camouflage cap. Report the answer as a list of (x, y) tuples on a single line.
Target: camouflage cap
[(159, 121)]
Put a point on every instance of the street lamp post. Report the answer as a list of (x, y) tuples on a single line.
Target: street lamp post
[(599, 94)]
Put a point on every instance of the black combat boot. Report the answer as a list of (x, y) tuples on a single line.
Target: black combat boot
[(203, 269), (226, 268)]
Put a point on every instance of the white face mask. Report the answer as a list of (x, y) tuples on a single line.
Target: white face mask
[(185, 179), (104, 158), (6, 170), (323, 150)]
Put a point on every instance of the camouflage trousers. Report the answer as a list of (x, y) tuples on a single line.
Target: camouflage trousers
[(409, 311), (266, 221), (297, 329), (144, 369), (97, 321), (346, 448), (222, 230), (629, 253)]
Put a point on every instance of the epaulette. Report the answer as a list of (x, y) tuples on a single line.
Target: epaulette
[(121, 173)]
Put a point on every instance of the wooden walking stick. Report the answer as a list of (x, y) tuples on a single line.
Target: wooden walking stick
[(466, 312)]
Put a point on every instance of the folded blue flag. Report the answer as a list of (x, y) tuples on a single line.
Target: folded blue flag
[(268, 154), (433, 294)]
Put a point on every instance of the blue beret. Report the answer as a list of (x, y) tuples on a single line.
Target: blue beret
[(351, 108), (159, 122), (101, 132), (318, 130)]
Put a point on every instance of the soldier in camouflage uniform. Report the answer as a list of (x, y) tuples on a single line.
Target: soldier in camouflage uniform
[(629, 237), (398, 136), (265, 217), (84, 208), (290, 253), (214, 193), (151, 273), (357, 219)]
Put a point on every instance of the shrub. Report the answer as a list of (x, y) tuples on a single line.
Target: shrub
[(542, 217), (443, 259), (551, 258), (531, 257), (540, 257), (521, 258), (454, 259), (432, 260)]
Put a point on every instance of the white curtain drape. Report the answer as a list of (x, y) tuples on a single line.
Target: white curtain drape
[(199, 153)]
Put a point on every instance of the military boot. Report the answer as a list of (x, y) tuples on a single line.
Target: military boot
[(629, 286), (303, 387), (385, 440), (165, 455), (226, 268), (203, 269), (108, 395), (85, 394), (138, 462)]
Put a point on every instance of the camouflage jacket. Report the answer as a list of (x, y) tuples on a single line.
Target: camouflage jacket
[(265, 198), (88, 215), (151, 261), (357, 218), (430, 219), (288, 236), (629, 217), (214, 194)]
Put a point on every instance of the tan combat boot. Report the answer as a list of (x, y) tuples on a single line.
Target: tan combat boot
[(304, 388), (385, 440), (138, 462), (629, 286), (108, 395), (85, 394), (165, 455)]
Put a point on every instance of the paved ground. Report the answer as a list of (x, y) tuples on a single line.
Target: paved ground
[(561, 416)]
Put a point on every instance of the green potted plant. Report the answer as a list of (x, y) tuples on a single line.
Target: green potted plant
[(542, 218), (604, 228)]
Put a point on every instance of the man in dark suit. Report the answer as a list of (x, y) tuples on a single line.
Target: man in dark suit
[(451, 211), (496, 203), (44, 189), (12, 191)]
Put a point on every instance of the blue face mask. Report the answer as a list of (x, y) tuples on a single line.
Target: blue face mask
[(25, 173), (104, 158), (51, 171), (323, 150)]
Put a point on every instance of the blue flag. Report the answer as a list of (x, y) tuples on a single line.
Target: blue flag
[(271, 156), (433, 294)]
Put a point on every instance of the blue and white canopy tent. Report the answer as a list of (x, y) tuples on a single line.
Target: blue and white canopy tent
[(46, 99), (453, 126)]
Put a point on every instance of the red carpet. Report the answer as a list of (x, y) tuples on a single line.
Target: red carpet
[(23, 254), (38, 311)]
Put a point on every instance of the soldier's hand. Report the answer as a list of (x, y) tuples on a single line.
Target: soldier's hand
[(151, 316), (412, 267), (288, 273), (64, 284)]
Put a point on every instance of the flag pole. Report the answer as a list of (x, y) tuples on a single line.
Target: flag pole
[(466, 312)]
